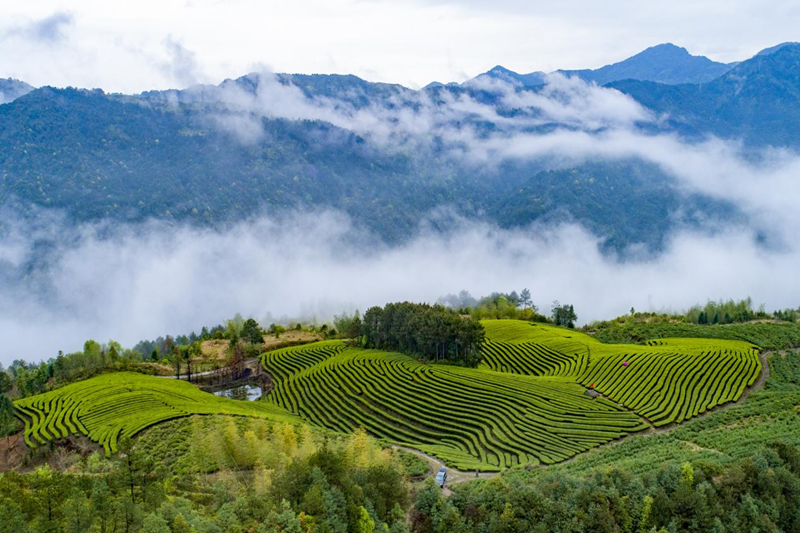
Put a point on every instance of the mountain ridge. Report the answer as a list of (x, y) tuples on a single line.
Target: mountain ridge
[(757, 101), (173, 155), (662, 63)]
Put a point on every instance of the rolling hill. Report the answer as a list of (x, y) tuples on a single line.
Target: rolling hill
[(543, 394)]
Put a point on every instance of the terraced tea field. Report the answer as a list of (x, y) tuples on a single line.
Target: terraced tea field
[(669, 380), (112, 406), (526, 404), (471, 418)]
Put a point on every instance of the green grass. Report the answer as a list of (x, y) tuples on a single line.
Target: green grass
[(109, 407), (766, 335)]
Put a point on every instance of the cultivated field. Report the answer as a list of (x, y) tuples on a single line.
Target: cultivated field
[(471, 418), (526, 404), (109, 407), (668, 380)]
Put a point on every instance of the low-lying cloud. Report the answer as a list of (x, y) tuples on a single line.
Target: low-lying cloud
[(134, 282), (467, 124)]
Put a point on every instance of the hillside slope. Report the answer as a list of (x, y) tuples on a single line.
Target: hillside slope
[(104, 156), (757, 101)]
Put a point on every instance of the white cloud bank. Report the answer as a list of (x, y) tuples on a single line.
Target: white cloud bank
[(138, 282)]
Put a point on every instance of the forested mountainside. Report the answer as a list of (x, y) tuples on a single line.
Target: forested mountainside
[(386, 155), (97, 155), (756, 101)]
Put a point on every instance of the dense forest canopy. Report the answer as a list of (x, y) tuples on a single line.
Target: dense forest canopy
[(433, 332)]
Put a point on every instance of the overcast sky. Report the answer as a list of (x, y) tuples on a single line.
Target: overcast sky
[(135, 46)]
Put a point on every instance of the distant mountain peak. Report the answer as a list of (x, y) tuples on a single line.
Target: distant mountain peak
[(532, 79), (670, 47), (756, 101), (663, 63), (11, 89), (501, 69), (437, 84)]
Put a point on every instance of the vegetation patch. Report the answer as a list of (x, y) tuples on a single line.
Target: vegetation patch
[(111, 407), (665, 381), (527, 403), (472, 419)]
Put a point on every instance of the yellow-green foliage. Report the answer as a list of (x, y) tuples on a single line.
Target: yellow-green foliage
[(468, 417), (109, 407), (224, 443)]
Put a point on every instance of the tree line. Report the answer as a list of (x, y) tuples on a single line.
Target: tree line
[(431, 331), (295, 480), (757, 493), (733, 312), (513, 305), (447, 331)]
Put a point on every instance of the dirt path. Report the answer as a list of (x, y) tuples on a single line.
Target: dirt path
[(454, 475)]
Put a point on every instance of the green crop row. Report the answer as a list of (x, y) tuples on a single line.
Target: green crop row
[(472, 418), (110, 407), (532, 359), (672, 387), (668, 380)]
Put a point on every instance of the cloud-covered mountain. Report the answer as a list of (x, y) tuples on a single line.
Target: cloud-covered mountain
[(307, 194), (11, 89), (532, 79), (493, 149)]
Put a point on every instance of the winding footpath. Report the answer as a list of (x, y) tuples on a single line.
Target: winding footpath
[(454, 475)]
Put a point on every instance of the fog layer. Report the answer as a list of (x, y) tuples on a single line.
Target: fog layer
[(61, 284), (139, 282)]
